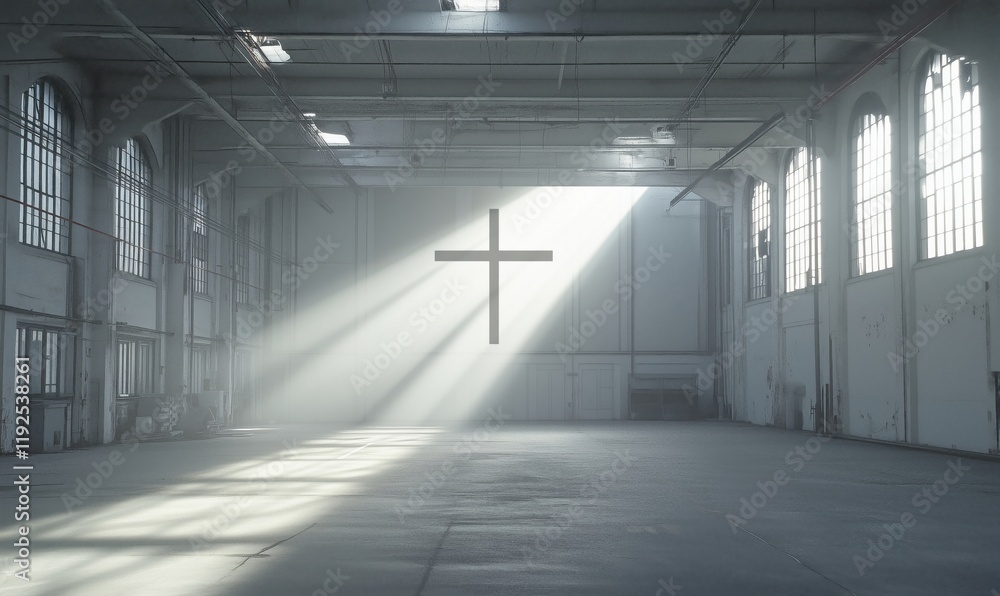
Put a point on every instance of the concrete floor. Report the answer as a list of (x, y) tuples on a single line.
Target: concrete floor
[(543, 509)]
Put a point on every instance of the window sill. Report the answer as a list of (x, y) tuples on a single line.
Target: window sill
[(971, 253)]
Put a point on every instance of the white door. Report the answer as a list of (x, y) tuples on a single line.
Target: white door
[(597, 391)]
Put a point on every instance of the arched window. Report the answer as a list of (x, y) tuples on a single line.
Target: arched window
[(871, 201), (803, 236), (760, 241), (133, 212), (951, 189), (45, 169)]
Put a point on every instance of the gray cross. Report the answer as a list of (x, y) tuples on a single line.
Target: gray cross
[(493, 256)]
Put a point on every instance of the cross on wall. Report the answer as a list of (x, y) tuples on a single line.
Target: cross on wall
[(493, 256)]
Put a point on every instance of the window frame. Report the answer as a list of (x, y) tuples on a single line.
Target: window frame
[(966, 152), (137, 383), (871, 116), (811, 229), (198, 229), (65, 374), (753, 244), (133, 211), (51, 180)]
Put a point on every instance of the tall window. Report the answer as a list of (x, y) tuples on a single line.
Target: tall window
[(760, 241), (871, 218), (199, 242), (133, 213), (802, 217), (242, 269), (951, 189), (50, 358), (45, 169), (135, 366)]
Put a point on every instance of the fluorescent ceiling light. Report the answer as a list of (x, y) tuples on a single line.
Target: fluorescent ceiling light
[(476, 5), (331, 138), (309, 114), (626, 141), (271, 48)]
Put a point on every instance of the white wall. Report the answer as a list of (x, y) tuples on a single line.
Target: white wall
[(80, 293), (566, 348), (942, 392)]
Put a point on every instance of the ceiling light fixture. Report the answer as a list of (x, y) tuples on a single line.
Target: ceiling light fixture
[(629, 141), (309, 114), (271, 48), (473, 5), (331, 138)]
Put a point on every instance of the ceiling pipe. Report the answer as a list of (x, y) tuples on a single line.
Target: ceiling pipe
[(496, 148), (89, 31), (753, 138), (251, 52), (716, 65), (158, 54), (888, 50), (837, 90)]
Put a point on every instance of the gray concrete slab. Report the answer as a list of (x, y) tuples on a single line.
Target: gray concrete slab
[(544, 509)]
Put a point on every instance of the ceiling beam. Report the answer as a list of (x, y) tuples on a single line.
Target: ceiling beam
[(158, 54), (418, 25), (495, 89), (251, 52)]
